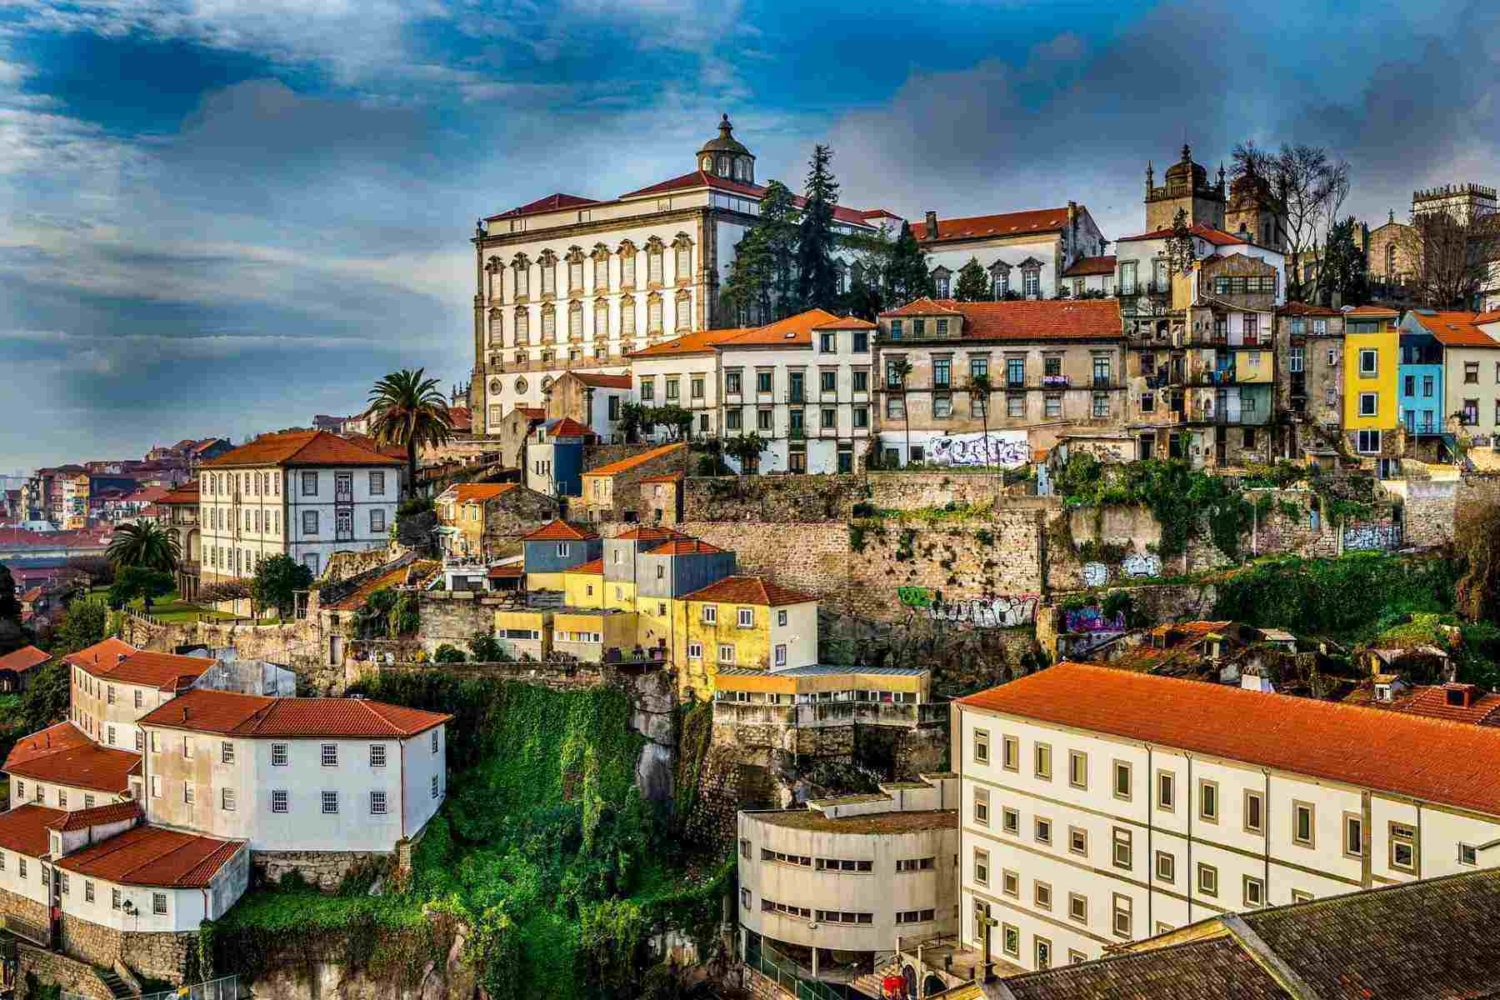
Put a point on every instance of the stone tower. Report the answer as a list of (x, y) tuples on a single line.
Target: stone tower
[(1187, 188), (1257, 210)]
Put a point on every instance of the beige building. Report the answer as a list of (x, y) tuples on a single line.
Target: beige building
[(1102, 806), (830, 887), (1310, 383), (1053, 367), (1025, 255)]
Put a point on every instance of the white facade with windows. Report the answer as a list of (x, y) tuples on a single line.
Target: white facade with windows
[(1075, 839)]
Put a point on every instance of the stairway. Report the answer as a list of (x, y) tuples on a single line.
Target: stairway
[(117, 986), (869, 983)]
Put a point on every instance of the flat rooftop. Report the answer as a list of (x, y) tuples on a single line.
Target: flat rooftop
[(872, 823)]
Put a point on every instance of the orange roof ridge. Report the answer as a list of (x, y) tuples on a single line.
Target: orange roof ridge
[(558, 530), (630, 462), (300, 448), (749, 590), (1035, 220)]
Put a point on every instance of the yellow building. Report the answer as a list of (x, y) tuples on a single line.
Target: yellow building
[(742, 622), (1372, 345), (583, 586)]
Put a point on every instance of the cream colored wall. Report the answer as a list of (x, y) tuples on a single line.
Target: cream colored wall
[(1486, 390)]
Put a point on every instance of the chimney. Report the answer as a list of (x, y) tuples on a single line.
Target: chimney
[(932, 226)]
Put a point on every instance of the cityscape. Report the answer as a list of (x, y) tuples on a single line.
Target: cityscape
[(690, 580)]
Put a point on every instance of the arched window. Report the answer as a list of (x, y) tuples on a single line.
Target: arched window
[(654, 254), (549, 273), (549, 324), (684, 312), (521, 268), (627, 264), (627, 316), (601, 317), (523, 325), (653, 314), (575, 321), (683, 264)]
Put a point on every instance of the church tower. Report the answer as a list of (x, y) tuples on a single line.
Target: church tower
[(1187, 188), (727, 157)]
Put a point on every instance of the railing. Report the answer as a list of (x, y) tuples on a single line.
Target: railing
[(223, 988), (37, 934), (787, 974), (832, 713)]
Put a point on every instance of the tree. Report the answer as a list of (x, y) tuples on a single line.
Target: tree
[(139, 581), (973, 283), (83, 625), (631, 421), (1453, 257), (761, 283), (47, 695), (226, 590), (144, 544), (276, 583), (677, 421), (897, 372), (12, 635), (1477, 595), (906, 275), (817, 282), (1308, 187), (746, 448), (981, 386), (486, 648), (1344, 271), (410, 411)]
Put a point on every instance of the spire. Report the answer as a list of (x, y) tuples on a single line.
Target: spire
[(726, 127), (1187, 154)]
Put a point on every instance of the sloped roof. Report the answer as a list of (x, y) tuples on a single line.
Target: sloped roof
[(699, 178), (793, 331), (1084, 266), (600, 380), (248, 715), (650, 532), (472, 492), (24, 659), (697, 342), (626, 464), (461, 419), (184, 495), (846, 323), (1027, 320), (551, 203), (1455, 329), (1037, 220), (1371, 311), (924, 307), (1197, 970), (1306, 309), (113, 812), (1396, 752), (683, 545), (24, 829), (567, 427), (668, 477), (749, 590), (295, 448), (559, 531), (105, 653), (594, 567), (164, 671), (1432, 702), (64, 755), (1202, 230), (153, 856)]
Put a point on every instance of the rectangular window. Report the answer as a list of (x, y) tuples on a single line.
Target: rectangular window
[(226, 752), (309, 484), (1043, 948), (377, 521), (1078, 841), (1041, 895), (278, 755), (1122, 780), (982, 806), (1403, 847), (747, 618), (1123, 907), (115, 900), (1166, 867), (279, 801), (1368, 362), (1010, 821), (1255, 812), (1078, 908), (1208, 880), (1302, 824), (1468, 855), (981, 746), (1122, 855), (187, 793), (330, 803), (1044, 831), (1043, 761), (1010, 749), (726, 653), (1010, 940), (1010, 883), (1078, 769), (309, 522), (227, 800), (377, 484), (329, 755), (377, 803), (1354, 835), (710, 614), (1255, 891), (1166, 791), (1208, 801), (377, 755), (981, 866)]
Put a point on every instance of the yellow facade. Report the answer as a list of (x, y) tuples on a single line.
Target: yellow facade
[(556, 582), (1254, 366), (748, 647), (619, 595), (583, 590), (787, 686), (657, 621), (1382, 382)]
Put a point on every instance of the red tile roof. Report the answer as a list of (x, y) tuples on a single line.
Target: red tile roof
[(697, 342), (567, 427), (106, 653), (251, 715), (1390, 751), (533, 412), (1084, 266), (1488, 317), (1455, 329), (670, 477), (471, 492), (634, 461), (794, 331), (64, 755), (24, 659), (682, 545), (1202, 230), (1045, 319), (1039, 220), (593, 568), (507, 572), (558, 531), (551, 203), (1306, 309), (153, 856), (649, 532), (300, 448), (599, 380), (1432, 702), (846, 323), (185, 495), (164, 671), (1371, 311), (114, 812), (24, 829), (699, 178), (461, 419), (749, 590)]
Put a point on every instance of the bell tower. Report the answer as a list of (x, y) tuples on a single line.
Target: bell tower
[(725, 156)]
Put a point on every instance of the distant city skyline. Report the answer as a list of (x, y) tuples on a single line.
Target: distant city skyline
[(226, 222)]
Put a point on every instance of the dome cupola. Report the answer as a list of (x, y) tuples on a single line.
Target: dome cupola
[(725, 156)]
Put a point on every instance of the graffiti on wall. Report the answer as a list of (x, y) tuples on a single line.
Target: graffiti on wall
[(988, 612), (1003, 448), (1105, 451), (1095, 574), (1372, 537), (1141, 564), (1093, 620)]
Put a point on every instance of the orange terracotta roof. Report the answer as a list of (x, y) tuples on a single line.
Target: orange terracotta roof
[(794, 331), (551, 203), (461, 419), (599, 380), (924, 307), (106, 653), (592, 568), (533, 412), (397, 576), (184, 495), (24, 659), (1039, 220), (1370, 311), (1432, 702), (634, 461), (153, 856), (847, 323), (507, 572), (1085, 266), (300, 448), (472, 492), (114, 812), (1045, 319), (1395, 752), (1488, 317), (248, 715), (1306, 309), (558, 531), (699, 178), (1202, 230), (670, 477), (682, 545), (649, 532), (164, 671), (567, 427), (24, 829), (749, 590), (697, 342), (1455, 329), (64, 755)]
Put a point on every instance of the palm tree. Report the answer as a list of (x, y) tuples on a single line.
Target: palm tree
[(980, 385), (896, 374), (144, 544), (410, 411)]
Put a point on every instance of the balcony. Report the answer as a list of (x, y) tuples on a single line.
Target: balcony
[(831, 713)]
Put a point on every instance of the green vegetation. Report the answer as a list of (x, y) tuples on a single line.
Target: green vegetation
[(1176, 495), (408, 410), (544, 850), (139, 583), (388, 614), (276, 583), (144, 544)]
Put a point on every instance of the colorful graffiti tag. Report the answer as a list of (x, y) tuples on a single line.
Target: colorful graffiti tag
[(1141, 564), (1093, 620), (1008, 449), (988, 612)]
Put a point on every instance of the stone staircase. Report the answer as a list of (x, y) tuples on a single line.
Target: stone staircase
[(869, 983), (118, 988)]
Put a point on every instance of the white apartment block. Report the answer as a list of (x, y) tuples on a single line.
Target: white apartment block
[(1024, 254), (303, 494), (294, 774), (1101, 806)]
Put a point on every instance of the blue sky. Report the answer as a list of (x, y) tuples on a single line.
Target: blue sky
[(224, 216)]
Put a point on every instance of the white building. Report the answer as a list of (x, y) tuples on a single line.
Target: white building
[(832, 886), (572, 283), (303, 494), (62, 768), (1024, 254), (112, 685), (1102, 806), (294, 774)]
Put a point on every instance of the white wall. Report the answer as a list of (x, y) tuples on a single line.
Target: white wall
[(799, 634)]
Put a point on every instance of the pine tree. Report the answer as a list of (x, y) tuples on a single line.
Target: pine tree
[(1345, 271), (817, 283), (752, 276), (906, 275), (973, 283), (778, 212)]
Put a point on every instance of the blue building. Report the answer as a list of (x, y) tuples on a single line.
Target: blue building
[(1419, 389), (555, 547)]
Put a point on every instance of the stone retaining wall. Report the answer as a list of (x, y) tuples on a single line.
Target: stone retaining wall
[(53, 969)]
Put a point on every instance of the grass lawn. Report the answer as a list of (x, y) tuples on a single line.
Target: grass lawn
[(167, 608)]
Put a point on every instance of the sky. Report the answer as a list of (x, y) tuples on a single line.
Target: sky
[(219, 217)]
